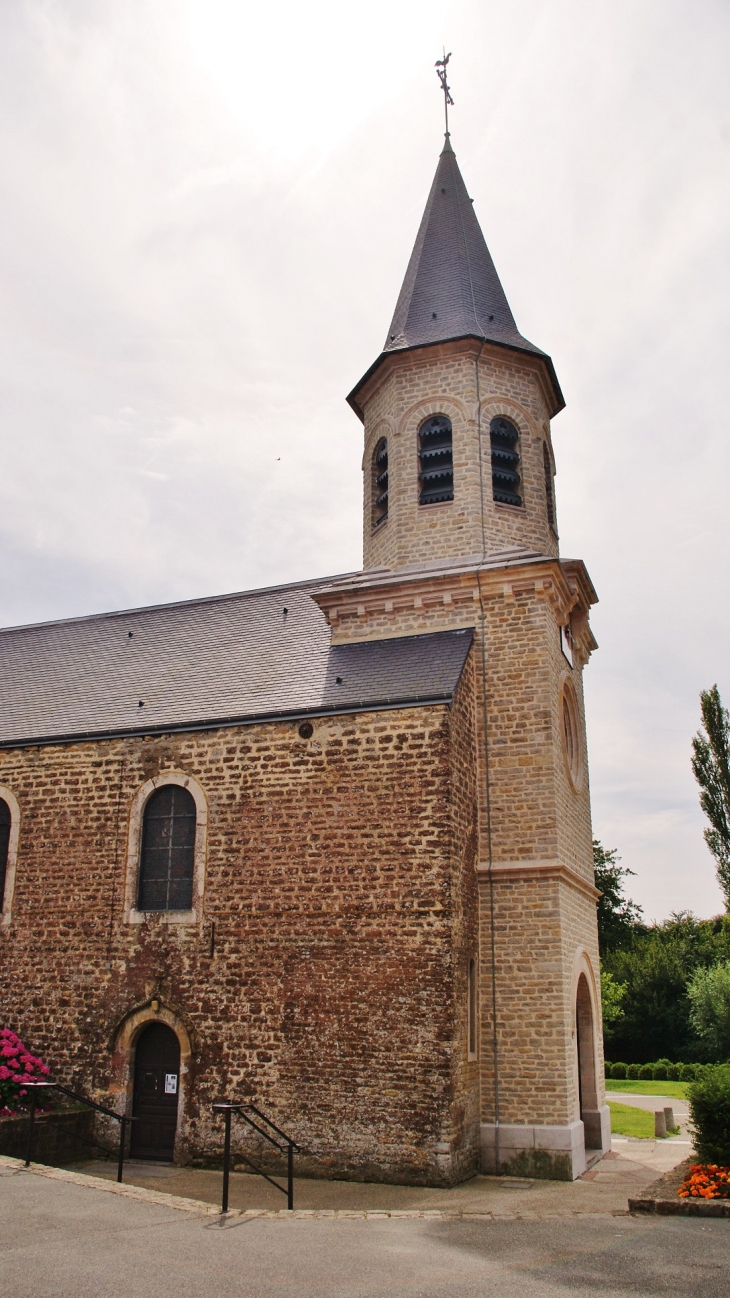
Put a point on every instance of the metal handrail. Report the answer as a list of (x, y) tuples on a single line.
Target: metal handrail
[(289, 1146), (123, 1118)]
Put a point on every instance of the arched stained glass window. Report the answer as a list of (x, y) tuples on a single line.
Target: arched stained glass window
[(167, 860), (436, 460), (505, 462), (5, 824)]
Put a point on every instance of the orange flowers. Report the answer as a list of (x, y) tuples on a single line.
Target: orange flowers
[(706, 1181)]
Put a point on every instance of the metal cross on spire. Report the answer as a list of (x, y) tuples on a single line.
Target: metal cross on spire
[(441, 73)]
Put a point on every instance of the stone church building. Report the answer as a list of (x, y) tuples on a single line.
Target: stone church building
[(327, 846)]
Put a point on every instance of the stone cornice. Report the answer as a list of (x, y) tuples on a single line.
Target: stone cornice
[(388, 362), (352, 605), (454, 591), (538, 869)]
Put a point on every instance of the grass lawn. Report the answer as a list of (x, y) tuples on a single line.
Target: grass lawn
[(627, 1121), (677, 1090)]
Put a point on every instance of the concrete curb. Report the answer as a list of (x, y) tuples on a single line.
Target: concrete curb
[(681, 1207), (196, 1206), (199, 1208)]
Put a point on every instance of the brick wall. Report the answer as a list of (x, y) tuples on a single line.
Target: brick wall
[(340, 881)]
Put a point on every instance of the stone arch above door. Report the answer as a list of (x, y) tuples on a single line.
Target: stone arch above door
[(123, 1047)]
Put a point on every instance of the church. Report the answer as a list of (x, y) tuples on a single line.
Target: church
[(327, 846)]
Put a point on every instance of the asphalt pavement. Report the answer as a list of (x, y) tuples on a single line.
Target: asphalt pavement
[(60, 1239)]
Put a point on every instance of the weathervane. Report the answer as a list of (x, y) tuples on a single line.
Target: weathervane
[(441, 73)]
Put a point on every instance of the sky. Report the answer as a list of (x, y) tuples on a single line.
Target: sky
[(206, 211)]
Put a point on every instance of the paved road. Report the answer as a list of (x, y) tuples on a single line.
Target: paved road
[(653, 1102), (60, 1240)]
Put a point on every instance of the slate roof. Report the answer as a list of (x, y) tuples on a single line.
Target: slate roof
[(451, 288), (236, 658)]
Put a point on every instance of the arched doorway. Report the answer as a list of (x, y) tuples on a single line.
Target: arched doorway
[(589, 1113), (156, 1085)]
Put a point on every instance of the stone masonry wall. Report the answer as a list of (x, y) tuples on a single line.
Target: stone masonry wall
[(540, 821), (533, 1028), (541, 924), (420, 385), (537, 812), (326, 976)]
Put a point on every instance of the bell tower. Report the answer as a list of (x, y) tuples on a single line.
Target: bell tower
[(458, 460), (460, 534)]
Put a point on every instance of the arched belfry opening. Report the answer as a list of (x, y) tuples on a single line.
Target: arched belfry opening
[(436, 461), (587, 1090), (506, 478), (156, 1088), (380, 482)]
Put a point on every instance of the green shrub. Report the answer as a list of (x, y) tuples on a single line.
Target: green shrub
[(660, 1072), (709, 1107), (633, 1071), (673, 1072), (687, 1073), (709, 994), (646, 1073), (618, 1071)]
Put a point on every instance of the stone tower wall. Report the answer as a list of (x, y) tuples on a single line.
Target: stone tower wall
[(410, 388), (535, 835)]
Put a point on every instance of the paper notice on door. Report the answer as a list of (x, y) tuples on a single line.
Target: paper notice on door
[(170, 1083)]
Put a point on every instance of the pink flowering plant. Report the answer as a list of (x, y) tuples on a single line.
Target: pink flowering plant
[(17, 1067)]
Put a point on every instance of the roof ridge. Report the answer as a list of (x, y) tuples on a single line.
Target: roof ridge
[(177, 603)]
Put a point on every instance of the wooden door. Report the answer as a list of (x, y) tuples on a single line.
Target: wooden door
[(156, 1085)]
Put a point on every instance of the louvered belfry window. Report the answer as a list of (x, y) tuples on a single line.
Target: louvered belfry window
[(380, 482), (5, 822), (505, 462), (549, 497), (436, 460), (168, 850)]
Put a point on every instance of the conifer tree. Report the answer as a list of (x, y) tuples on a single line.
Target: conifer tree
[(711, 766)]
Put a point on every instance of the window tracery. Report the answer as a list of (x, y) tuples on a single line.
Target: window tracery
[(167, 858)]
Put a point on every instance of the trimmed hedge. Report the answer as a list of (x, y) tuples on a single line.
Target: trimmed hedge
[(709, 1106), (662, 1071)]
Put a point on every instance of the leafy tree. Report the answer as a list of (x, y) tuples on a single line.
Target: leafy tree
[(618, 917), (612, 994), (709, 996), (656, 970), (711, 766)]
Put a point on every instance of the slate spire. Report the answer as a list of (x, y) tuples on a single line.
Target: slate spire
[(451, 288)]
